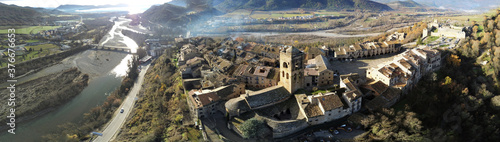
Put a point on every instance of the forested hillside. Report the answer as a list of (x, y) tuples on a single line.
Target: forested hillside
[(15, 15)]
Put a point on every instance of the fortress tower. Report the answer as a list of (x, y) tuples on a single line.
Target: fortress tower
[(291, 69)]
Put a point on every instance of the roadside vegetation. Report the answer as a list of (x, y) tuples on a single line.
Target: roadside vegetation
[(162, 111)]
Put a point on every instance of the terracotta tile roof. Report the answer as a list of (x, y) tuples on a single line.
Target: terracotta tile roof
[(208, 98)]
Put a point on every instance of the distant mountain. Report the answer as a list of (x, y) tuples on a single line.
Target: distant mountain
[(174, 15), (463, 5), (178, 3), (406, 4), (75, 8), (163, 13), (49, 11), (229, 5), (16, 15)]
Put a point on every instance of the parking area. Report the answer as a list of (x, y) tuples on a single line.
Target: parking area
[(442, 42)]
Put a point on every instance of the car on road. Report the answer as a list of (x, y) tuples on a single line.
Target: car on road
[(122, 110)]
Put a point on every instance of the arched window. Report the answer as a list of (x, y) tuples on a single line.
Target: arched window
[(287, 76), (283, 73), (285, 65)]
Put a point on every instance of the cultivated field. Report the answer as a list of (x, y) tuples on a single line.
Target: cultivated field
[(28, 29)]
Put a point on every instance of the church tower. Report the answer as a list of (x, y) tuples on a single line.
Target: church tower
[(291, 69)]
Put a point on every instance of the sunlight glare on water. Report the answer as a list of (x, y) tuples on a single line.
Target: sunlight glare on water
[(121, 69)]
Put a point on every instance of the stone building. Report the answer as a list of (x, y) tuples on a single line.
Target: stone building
[(257, 77), (367, 49), (256, 100), (291, 69), (203, 102), (318, 72), (322, 108), (407, 68), (352, 95)]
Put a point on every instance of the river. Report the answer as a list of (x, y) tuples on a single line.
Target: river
[(106, 69)]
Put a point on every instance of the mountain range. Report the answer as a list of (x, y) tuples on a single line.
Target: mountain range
[(17, 15), (464, 5), (228, 5)]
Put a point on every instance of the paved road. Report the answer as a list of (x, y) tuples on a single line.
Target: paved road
[(119, 119)]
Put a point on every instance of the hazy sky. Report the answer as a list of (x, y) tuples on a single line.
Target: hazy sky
[(56, 3)]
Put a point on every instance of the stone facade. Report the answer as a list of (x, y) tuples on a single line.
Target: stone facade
[(291, 69), (318, 72), (367, 49), (407, 68)]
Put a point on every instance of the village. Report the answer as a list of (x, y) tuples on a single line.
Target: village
[(293, 90)]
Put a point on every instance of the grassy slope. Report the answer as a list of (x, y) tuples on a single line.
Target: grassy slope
[(157, 115)]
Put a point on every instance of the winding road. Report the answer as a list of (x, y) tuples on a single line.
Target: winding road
[(118, 120)]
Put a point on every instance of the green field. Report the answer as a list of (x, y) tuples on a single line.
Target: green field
[(275, 15), (47, 49), (28, 29)]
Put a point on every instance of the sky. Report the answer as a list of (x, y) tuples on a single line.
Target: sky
[(56, 3)]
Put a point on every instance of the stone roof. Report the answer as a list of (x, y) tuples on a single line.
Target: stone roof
[(194, 60), (352, 95), (330, 102), (224, 91), (313, 110), (391, 93), (267, 96), (405, 64), (384, 100), (201, 98), (322, 63), (262, 71), (208, 98), (236, 104), (293, 50), (377, 86), (340, 51), (310, 71)]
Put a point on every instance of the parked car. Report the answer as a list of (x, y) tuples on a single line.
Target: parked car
[(345, 128)]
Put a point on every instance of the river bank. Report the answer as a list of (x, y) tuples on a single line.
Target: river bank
[(105, 71), (43, 93)]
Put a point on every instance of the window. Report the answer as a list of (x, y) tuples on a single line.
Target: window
[(285, 65), (283, 73), (287, 76)]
